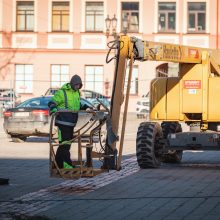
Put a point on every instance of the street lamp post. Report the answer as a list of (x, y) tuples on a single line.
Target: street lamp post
[(111, 25), (125, 25)]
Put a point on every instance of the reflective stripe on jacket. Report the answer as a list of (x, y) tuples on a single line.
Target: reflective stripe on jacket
[(73, 104)]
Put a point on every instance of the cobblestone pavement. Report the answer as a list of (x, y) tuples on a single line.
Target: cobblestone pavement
[(189, 190)]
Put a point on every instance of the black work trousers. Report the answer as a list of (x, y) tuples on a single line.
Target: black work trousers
[(63, 151)]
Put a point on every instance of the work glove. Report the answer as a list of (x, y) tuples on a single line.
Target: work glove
[(53, 107), (85, 107), (53, 110)]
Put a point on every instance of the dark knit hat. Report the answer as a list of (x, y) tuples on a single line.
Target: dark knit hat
[(76, 79)]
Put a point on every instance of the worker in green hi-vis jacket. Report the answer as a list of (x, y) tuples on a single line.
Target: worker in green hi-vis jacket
[(68, 97)]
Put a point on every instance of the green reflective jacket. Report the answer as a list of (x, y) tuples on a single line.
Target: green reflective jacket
[(73, 98)]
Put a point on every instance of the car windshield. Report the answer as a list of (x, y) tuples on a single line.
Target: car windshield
[(51, 91), (91, 94), (84, 93), (85, 102), (36, 102), (146, 103), (42, 102)]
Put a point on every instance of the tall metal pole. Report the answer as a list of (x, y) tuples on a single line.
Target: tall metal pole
[(125, 114), (11, 95)]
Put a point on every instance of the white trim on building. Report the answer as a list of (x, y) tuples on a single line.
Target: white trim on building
[(14, 15), (197, 41), (1, 14), (35, 15), (93, 42), (49, 16), (0, 40), (167, 39), (25, 40), (71, 16), (60, 41)]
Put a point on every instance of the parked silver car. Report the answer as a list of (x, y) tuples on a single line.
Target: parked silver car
[(31, 118)]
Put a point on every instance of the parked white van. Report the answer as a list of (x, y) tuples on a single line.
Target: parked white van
[(143, 106)]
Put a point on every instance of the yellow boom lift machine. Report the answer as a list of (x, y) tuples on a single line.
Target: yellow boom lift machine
[(192, 97)]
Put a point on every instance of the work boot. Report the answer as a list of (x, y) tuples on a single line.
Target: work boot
[(67, 166)]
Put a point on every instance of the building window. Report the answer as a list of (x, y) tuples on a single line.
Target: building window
[(60, 16), (167, 16), (94, 78), (94, 16), (24, 78), (196, 16), (130, 14), (134, 81), (25, 16), (59, 75)]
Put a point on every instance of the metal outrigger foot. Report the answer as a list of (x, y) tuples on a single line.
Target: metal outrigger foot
[(86, 136)]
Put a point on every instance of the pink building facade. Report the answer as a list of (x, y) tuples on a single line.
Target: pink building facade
[(44, 42)]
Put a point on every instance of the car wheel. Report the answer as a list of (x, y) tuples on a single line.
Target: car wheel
[(18, 139)]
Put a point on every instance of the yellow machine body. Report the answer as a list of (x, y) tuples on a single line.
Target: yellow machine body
[(192, 96)]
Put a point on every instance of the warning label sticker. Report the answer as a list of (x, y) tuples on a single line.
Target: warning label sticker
[(194, 53), (192, 84)]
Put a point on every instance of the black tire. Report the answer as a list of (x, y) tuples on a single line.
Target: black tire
[(147, 145), (18, 138), (174, 156)]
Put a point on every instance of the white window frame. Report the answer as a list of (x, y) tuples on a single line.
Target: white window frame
[(129, 13), (118, 16), (156, 14), (60, 82), (185, 14), (71, 9), (83, 14), (167, 12), (14, 13), (133, 81), (25, 82), (95, 31), (95, 80)]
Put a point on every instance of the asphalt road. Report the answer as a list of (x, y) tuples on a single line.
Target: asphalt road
[(189, 190)]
